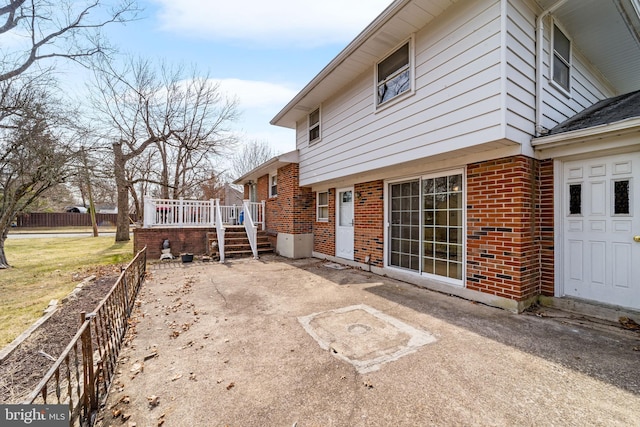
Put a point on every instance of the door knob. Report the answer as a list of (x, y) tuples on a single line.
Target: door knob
[(636, 239)]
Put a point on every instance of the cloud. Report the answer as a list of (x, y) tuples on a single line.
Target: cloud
[(259, 102), (253, 94), (274, 22)]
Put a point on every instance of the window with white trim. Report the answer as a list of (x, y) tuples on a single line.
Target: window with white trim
[(322, 206), (393, 74), (273, 185), (561, 63), (314, 126)]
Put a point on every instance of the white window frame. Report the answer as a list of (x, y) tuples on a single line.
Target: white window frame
[(410, 67), (313, 126), (319, 206), (553, 54), (273, 177)]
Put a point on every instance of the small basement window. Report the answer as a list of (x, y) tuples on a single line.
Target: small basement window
[(314, 126)]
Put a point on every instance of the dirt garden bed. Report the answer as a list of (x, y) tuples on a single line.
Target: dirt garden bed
[(24, 368)]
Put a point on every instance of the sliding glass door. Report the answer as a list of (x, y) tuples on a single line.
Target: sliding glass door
[(426, 225)]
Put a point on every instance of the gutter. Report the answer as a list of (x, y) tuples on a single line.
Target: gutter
[(540, 61)]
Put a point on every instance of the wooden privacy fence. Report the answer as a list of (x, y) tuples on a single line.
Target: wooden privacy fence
[(82, 374), (64, 219)]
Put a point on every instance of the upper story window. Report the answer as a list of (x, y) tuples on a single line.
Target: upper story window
[(322, 205), (561, 64), (394, 74), (314, 126), (273, 185)]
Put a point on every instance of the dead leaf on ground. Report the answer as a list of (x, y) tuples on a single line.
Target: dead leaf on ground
[(629, 323), (176, 377), (153, 400), (230, 386), (116, 413)]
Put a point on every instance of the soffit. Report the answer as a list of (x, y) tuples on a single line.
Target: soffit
[(607, 32)]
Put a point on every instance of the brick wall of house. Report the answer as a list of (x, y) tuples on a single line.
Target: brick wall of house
[(292, 210), (324, 233), (369, 222), (502, 248), (192, 240), (546, 227)]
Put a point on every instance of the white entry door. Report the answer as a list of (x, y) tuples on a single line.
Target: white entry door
[(344, 224), (601, 224)]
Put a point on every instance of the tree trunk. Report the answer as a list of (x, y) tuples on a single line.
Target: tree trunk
[(3, 258), (122, 186)]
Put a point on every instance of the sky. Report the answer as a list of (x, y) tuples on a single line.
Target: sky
[(262, 52)]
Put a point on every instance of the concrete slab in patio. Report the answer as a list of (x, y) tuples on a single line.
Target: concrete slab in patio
[(258, 343)]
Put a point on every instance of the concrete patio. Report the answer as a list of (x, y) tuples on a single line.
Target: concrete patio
[(280, 342)]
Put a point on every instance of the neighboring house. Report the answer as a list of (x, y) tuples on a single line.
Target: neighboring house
[(488, 149)]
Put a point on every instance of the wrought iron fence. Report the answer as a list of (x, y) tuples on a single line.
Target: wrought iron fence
[(82, 374)]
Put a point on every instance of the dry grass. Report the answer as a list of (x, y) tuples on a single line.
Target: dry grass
[(49, 268)]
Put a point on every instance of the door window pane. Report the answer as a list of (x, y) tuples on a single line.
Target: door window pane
[(621, 198), (575, 199), (443, 226), (405, 225)]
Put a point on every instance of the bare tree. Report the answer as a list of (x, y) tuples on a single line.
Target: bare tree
[(253, 154), (35, 150), (181, 118), (36, 30)]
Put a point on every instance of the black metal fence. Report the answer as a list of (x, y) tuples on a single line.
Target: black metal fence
[(82, 374)]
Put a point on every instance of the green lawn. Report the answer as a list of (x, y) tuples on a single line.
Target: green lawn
[(46, 269)]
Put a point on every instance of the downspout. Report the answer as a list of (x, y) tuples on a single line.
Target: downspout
[(540, 62)]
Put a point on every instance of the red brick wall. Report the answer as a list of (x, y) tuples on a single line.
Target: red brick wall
[(546, 227), (324, 233), (369, 222), (502, 249), (292, 210), (192, 240)]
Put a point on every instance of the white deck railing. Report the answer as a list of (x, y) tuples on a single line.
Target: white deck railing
[(198, 213)]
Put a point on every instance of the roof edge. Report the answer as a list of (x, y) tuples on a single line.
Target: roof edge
[(264, 168), (364, 35), (580, 135)]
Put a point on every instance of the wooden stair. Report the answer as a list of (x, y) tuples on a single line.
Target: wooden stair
[(236, 242)]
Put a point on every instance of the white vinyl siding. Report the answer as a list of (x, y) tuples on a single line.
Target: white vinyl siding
[(457, 102), (474, 91)]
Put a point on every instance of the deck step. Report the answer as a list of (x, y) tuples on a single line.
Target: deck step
[(237, 243)]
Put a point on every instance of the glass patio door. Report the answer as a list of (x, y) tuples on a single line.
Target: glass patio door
[(426, 226)]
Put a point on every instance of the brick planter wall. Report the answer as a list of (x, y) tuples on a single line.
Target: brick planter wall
[(192, 240), (369, 222), (502, 249)]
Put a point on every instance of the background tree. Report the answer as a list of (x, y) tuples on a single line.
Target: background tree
[(68, 29), (178, 117), (250, 156), (35, 150)]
